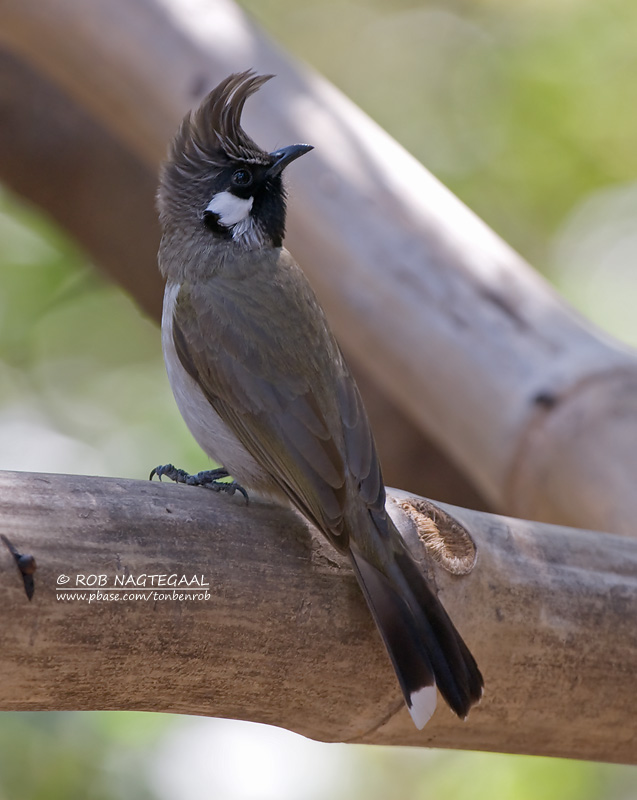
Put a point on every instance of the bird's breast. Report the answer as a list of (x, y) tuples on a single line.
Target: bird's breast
[(210, 431)]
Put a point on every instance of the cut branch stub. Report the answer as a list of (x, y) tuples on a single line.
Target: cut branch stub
[(445, 539)]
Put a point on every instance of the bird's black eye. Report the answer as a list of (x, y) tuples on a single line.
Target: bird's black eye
[(242, 177)]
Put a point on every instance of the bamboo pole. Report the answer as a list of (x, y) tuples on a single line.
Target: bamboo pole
[(284, 636)]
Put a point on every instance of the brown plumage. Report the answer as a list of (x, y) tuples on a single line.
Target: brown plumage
[(264, 387)]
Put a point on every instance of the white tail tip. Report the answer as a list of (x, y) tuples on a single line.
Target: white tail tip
[(422, 705)]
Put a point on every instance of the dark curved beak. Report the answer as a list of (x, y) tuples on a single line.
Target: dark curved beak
[(286, 156)]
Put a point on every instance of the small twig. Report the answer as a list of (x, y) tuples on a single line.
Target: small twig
[(26, 565)]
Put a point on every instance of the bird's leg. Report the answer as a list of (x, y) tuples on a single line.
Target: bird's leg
[(209, 479)]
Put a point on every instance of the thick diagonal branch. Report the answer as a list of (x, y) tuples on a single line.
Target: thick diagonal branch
[(536, 407)]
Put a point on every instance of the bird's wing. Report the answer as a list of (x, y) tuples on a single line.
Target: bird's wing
[(311, 436)]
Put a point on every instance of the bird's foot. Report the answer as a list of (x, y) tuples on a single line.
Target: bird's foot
[(209, 479)]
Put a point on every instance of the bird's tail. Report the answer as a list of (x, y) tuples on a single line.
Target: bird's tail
[(423, 644)]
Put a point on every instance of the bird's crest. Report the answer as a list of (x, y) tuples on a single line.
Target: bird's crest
[(212, 135)]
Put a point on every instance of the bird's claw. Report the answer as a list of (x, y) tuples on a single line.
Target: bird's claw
[(209, 479)]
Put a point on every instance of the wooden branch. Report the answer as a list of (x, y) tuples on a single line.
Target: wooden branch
[(284, 636), (534, 405)]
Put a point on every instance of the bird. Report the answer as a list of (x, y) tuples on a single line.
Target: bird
[(265, 390)]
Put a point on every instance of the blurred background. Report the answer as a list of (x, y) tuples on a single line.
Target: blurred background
[(528, 112)]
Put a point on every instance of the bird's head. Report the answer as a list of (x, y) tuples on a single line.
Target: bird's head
[(218, 179)]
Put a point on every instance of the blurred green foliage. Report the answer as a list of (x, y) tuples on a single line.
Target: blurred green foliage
[(520, 108), (525, 110), (77, 756)]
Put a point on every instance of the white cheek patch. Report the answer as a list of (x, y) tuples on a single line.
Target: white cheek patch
[(229, 208)]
